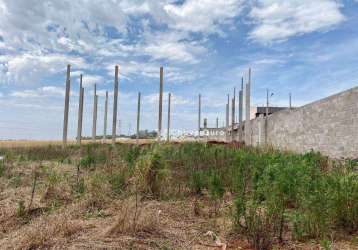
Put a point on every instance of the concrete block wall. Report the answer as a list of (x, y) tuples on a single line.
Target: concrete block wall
[(329, 125)]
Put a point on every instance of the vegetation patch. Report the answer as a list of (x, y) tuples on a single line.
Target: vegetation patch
[(267, 197)]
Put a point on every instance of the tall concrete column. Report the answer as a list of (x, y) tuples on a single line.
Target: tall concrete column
[(267, 102), (232, 119), (234, 108), (217, 122), (67, 103), (241, 101), (115, 101), (138, 117), (80, 113), (262, 129), (290, 103), (199, 116), (227, 117), (247, 111), (94, 124), (105, 118), (160, 104), (168, 127)]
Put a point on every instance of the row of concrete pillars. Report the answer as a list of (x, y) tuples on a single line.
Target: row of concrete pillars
[(115, 105), (95, 104), (233, 111)]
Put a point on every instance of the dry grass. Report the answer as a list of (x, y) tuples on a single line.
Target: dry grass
[(133, 217), (60, 218), (40, 143), (43, 233)]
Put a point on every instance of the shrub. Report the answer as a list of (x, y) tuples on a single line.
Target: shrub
[(57, 190), (152, 175), (257, 222), (216, 189), (87, 161), (343, 200), (132, 156), (20, 208), (15, 181), (117, 182), (2, 168), (198, 181), (79, 187)]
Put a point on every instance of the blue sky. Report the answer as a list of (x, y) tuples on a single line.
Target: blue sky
[(305, 47)]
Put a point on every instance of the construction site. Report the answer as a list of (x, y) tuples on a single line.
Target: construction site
[(327, 126), (179, 124)]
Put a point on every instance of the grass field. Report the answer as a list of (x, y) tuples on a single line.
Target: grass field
[(41, 143), (174, 196)]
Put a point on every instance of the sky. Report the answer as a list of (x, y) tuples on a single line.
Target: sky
[(304, 47)]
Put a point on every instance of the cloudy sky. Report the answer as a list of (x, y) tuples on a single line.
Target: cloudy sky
[(305, 47)]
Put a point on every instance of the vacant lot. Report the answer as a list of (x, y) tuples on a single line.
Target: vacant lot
[(175, 196)]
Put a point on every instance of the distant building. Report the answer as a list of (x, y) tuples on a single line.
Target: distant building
[(271, 110)]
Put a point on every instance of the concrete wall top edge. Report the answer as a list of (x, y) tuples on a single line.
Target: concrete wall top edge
[(326, 99)]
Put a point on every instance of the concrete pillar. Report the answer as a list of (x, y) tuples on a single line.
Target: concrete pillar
[(199, 116), (80, 113), (232, 119), (160, 104), (94, 124), (241, 100), (67, 103), (205, 123), (227, 117), (234, 108), (105, 118), (266, 114), (267, 102), (168, 130), (247, 111), (290, 96), (115, 102), (217, 122), (262, 130), (138, 117)]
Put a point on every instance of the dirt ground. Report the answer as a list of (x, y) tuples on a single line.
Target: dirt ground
[(180, 224)]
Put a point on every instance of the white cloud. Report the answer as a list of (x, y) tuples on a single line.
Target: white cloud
[(89, 80), (173, 47), (280, 19), (175, 99), (25, 94), (30, 68), (45, 91), (52, 90), (42, 34), (102, 93), (202, 15), (129, 69)]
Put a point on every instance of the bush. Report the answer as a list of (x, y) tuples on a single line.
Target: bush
[(257, 222), (343, 200), (87, 161), (117, 182), (20, 208), (198, 182), (152, 175), (98, 189), (2, 168)]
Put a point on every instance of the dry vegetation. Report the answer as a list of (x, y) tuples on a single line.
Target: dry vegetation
[(175, 196)]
